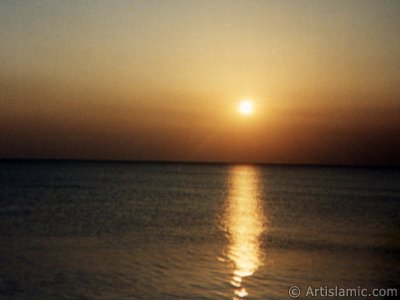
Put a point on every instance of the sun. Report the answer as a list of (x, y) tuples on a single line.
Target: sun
[(246, 107)]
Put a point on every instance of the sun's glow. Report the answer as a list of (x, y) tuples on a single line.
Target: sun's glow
[(246, 107)]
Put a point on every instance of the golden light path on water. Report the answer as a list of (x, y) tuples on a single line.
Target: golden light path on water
[(245, 223)]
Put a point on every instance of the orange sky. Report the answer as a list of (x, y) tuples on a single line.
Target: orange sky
[(161, 80)]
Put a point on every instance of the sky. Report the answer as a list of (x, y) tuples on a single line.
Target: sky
[(161, 80)]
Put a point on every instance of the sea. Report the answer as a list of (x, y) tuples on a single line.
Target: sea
[(132, 230)]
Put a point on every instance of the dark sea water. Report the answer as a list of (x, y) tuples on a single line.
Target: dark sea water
[(87, 230)]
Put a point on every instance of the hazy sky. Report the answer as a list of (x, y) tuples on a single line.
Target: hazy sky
[(161, 80)]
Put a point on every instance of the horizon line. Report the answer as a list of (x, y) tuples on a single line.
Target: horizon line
[(149, 161)]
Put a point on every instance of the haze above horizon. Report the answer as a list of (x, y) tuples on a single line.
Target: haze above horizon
[(162, 80)]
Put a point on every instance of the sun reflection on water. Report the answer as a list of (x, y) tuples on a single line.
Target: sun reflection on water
[(244, 223)]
